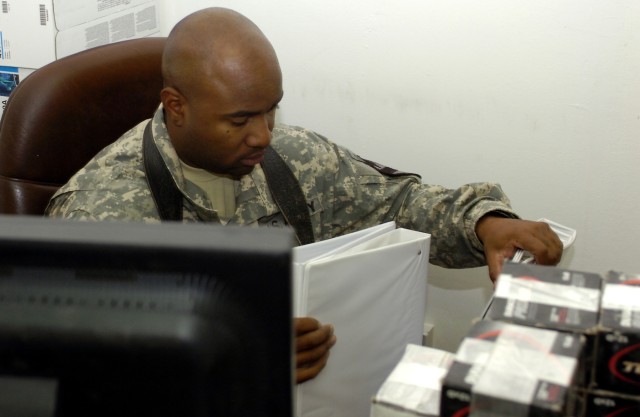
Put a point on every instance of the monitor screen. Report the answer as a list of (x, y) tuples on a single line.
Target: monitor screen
[(132, 319)]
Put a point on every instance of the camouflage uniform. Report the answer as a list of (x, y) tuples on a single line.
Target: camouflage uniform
[(344, 193)]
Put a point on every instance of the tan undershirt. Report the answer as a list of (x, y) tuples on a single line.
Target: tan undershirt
[(221, 191)]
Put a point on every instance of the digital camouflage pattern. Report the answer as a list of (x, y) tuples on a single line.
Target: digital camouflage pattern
[(344, 193)]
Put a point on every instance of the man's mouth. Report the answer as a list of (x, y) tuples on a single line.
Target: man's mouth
[(253, 159)]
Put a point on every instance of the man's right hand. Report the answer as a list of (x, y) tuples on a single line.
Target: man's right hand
[(313, 342)]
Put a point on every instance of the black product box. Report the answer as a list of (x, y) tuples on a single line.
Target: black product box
[(551, 298), (618, 358), (609, 404), (503, 369), (472, 355), (547, 297)]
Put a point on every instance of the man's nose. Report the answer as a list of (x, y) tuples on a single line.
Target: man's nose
[(260, 136)]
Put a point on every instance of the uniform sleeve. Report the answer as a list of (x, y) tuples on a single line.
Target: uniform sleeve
[(448, 215), (61, 206), (346, 193), (104, 205)]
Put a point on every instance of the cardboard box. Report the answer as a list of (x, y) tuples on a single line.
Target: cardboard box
[(10, 77), (413, 387), (36, 32), (618, 359), (508, 370), (609, 404)]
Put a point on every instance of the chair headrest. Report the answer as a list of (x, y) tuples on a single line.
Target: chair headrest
[(64, 113)]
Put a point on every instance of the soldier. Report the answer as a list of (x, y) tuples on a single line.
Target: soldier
[(212, 131)]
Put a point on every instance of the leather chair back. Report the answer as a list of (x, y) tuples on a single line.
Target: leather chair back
[(64, 113)]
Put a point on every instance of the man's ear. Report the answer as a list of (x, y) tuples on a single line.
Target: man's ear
[(174, 104)]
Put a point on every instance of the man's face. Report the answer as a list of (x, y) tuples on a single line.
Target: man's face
[(228, 122)]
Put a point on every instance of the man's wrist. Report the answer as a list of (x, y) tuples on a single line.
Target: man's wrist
[(486, 222)]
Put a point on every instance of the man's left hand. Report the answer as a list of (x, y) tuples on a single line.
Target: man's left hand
[(502, 236)]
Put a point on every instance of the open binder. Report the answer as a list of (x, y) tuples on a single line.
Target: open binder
[(371, 285)]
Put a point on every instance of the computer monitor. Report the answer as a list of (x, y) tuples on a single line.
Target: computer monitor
[(132, 319)]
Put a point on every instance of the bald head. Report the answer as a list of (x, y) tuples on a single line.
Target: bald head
[(214, 45), (222, 87)]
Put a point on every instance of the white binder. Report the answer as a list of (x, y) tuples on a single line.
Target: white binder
[(371, 285)]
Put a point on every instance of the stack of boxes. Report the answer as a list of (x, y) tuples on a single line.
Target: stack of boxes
[(413, 387), (615, 390), (548, 304), (551, 298), (554, 342), (503, 369), (599, 317), (34, 33)]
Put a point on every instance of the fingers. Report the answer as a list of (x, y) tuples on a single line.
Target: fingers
[(314, 339), (313, 342), (494, 262), (551, 251), (496, 235), (543, 243), (501, 237), (309, 372), (304, 325), (309, 363)]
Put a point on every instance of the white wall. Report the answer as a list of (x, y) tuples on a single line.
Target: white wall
[(542, 96)]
